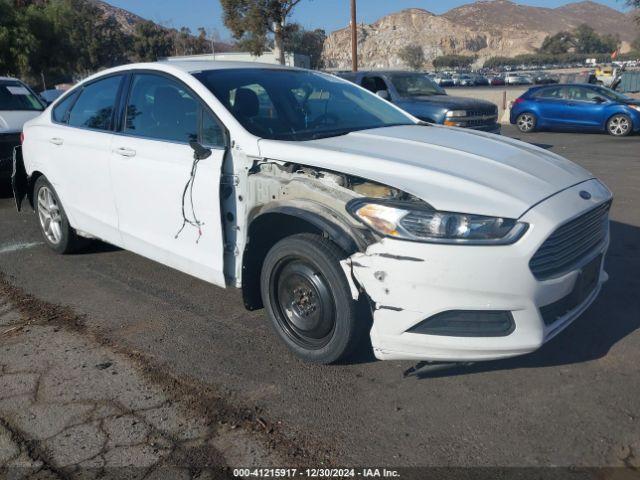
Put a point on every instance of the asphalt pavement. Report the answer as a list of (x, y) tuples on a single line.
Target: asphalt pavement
[(575, 402)]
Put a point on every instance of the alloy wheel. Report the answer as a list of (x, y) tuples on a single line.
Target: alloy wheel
[(619, 125), (526, 122), (49, 215)]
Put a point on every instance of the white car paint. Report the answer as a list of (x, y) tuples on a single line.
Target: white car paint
[(455, 170), (131, 201)]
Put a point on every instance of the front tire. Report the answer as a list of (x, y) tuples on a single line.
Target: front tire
[(308, 299), (526, 122), (53, 221), (619, 125)]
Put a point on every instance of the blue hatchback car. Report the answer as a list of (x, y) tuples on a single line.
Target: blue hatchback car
[(576, 107)]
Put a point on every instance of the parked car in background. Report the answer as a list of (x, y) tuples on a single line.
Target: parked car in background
[(542, 78), (480, 80), (496, 80), (577, 107), (515, 78), (466, 80), (443, 80), (18, 103), (336, 211), (420, 96)]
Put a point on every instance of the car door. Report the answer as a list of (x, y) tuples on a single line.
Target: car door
[(583, 109), (80, 149), (551, 104), (168, 206)]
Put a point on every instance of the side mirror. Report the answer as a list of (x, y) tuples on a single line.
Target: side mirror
[(199, 152), (599, 99), (383, 94)]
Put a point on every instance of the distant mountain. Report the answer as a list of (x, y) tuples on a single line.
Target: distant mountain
[(125, 18), (484, 28), (128, 21)]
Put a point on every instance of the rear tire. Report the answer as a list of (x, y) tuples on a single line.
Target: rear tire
[(53, 221), (308, 299), (619, 125), (526, 122)]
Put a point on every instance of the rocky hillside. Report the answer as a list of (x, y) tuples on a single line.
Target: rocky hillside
[(483, 28), (125, 18)]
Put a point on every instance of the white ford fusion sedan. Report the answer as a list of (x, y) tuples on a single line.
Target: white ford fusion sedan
[(337, 212)]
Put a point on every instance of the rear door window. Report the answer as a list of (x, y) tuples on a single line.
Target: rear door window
[(551, 93), (61, 110), (96, 104)]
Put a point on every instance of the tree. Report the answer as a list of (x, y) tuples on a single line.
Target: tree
[(306, 42), (151, 41), (413, 56), (586, 40), (252, 21), (556, 44), (453, 61)]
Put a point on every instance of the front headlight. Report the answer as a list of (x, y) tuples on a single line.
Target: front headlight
[(407, 221), (456, 113), (635, 107)]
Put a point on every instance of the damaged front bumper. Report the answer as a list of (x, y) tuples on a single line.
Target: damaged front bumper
[(411, 282)]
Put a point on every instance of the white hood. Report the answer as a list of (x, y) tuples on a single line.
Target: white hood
[(11, 121), (452, 169)]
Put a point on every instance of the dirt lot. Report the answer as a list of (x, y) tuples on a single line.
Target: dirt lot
[(108, 360)]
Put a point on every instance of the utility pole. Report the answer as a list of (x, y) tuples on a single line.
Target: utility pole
[(354, 37)]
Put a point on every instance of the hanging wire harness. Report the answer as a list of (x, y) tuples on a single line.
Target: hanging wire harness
[(199, 153)]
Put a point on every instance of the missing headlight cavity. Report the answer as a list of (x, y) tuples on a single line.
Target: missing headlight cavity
[(467, 323), (325, 180)]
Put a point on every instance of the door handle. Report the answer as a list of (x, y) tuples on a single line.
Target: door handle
[(125, 152), (56, 141)]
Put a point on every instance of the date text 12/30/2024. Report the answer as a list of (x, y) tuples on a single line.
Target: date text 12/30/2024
[(315, 473)]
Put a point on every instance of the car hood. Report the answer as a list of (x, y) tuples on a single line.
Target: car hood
[(452, 169), (12, 121)]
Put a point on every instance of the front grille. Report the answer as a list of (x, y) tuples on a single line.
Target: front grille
[(571, 243), (481, 113), (480, 118), (585, 285), (482, 122)]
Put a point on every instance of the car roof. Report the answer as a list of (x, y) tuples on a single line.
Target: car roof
[(186, 66), (191, 66), (10, 78)]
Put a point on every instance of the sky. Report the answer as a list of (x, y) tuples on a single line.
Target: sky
[(328, 14)]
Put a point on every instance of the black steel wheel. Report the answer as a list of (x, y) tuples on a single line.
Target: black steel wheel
[(308, 299), (305, 309)]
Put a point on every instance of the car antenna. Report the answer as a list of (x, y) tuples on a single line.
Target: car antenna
[(199, 153)]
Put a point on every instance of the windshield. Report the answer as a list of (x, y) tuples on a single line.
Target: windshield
[(415, 85), (610, 94), (297, 104), (16, 96)]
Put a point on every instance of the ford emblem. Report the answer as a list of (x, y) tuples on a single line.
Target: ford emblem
[(584, 194)]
